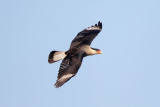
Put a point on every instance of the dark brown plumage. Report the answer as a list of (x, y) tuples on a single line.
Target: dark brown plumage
[(72, 59)]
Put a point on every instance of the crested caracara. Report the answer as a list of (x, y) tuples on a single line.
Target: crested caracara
[(72, 59)]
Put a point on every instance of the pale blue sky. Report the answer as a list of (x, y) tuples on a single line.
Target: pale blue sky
[(126, 75)]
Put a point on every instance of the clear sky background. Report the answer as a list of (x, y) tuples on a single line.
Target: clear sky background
[(126, 75)]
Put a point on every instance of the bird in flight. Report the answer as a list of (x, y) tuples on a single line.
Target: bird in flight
[(72, 59)]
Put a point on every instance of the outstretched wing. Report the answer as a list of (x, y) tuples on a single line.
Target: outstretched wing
[(87, 35), (68, 68)]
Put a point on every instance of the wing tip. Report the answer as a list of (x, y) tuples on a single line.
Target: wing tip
[(100, 25), (96, 26), (63, 80), (57, 84)]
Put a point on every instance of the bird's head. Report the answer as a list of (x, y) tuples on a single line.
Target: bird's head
[(97, 51)]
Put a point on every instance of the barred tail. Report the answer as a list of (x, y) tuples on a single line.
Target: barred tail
[(55, 56)]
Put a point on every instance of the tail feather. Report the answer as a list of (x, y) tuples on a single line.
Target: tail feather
[(55, 56)]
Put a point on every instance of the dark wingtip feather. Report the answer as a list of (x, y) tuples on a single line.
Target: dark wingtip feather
[(60, 81), (58, 84), (100, 25)]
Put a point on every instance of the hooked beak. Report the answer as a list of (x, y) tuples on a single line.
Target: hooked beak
[(99, 52)]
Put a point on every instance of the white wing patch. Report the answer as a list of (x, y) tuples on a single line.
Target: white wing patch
[(67, 76), (93, 28)]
